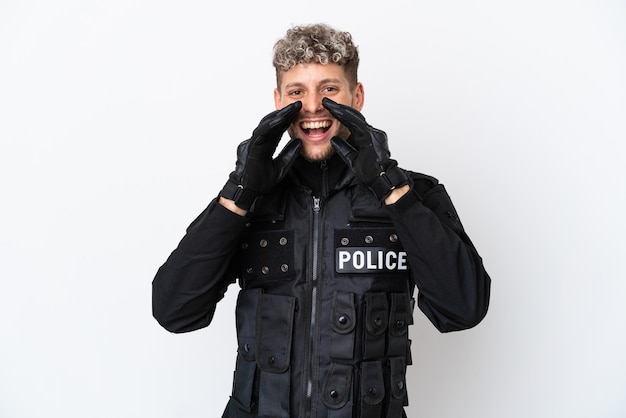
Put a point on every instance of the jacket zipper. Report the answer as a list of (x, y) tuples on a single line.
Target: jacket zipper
[(312, 348), (312, 369)]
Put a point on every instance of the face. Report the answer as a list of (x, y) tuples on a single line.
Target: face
[(314, 124)]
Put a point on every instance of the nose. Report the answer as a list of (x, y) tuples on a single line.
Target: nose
[(312, 103)]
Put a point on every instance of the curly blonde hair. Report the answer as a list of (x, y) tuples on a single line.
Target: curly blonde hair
[(318, 43)]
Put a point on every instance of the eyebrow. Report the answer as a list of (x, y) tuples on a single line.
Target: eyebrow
[(324, 81)]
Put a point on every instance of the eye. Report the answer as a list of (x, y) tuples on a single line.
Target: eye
[(330, 89), (295, 93)]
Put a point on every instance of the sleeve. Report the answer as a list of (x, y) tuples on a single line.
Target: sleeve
[(194, 278), (453, 286)]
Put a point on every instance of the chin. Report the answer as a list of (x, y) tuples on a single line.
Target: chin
[(317, 155)]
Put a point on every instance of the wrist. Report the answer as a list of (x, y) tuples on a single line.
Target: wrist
[(241, 196), (231, 206), (396, 194)]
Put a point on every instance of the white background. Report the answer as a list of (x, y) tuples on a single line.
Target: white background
[(119, 121)]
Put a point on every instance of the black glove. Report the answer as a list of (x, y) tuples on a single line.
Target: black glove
[(256, 173), (369, 159)]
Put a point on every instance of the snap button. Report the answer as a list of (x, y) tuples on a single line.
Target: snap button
[(263, 243), (372, 392), (334, 394), (369, 239), (399, 323), (271, 360), (400, 385), (378, 322), (345, 241), (393, 238), (284, 268), (244, 245), (342, 320), (246, 347), (282, 241), (265, 269), (249, 270)]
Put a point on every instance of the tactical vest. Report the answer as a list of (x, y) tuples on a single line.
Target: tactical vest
[(323, 312)]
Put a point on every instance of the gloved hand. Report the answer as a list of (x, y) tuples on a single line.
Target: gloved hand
[(369, 159), (256, 173)]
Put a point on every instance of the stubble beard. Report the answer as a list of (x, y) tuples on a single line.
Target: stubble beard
[(320, 154)]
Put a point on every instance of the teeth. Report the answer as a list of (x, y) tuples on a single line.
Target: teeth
[(316, 125)]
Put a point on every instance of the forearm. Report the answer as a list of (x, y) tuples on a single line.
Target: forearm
[(195, 276), (452, 282)]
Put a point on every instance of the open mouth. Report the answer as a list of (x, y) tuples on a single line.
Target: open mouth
[(316, 128)]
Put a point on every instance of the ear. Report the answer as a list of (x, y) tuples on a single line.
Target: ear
[(359, 97), (277, 98)]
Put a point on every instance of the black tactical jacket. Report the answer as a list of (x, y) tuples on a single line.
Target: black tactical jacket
[(327, 276)]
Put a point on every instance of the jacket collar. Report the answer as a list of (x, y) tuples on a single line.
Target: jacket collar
[(322, 177)]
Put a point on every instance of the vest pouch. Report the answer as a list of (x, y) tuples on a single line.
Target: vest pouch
[(337, 391), (275, 317), (372, 389), (343, 321), (376, 322), (245, 370), (399, 321), (245, 321), (397, 382), (409, 357)]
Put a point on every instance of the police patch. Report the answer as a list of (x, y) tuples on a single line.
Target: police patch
[(369, 260)]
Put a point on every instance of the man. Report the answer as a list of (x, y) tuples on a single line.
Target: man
[(327, 241)]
